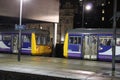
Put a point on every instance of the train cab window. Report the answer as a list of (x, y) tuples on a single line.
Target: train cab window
[(38, 40), (74, 40), (41, 39), (44, 40), (6, 37), (26, 38)]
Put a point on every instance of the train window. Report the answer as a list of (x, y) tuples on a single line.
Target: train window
[(38, 40), (48, 39), (0, 37), (105, 40), (26, 38), (79, 40), (70, 40), (118, 42), (41, 39), (6, 37), (74, 40), (44, 40)]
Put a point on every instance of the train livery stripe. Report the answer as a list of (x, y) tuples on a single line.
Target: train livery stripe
[(109, 52), (33, 44), (66, 46), (3, 45)]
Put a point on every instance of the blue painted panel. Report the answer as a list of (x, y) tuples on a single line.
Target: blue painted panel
[(74, 47), (26, 45), (7, 43), (103, 48)]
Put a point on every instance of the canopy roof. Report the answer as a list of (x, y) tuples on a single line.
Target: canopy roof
[(39, 10)]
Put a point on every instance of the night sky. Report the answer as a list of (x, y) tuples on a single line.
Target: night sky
[(93, 18)]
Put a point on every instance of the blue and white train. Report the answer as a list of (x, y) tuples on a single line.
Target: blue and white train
[(33, 42), (92, 44)]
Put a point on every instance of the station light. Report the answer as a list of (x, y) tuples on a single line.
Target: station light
[(88, 6)]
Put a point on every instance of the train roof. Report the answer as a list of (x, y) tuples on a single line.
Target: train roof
[(93, 31), (37, 31)]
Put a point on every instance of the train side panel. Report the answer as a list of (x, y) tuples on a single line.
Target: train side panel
[(5, 42), (26, 44), (77, 41), (33, 42), (105, 48), (72, 46)]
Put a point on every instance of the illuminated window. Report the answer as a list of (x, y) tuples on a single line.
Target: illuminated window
[(41, 27), (108, 2), (26, 38), (103, 18), (74, 40), (103, 4), (118, 42), (103, 11)]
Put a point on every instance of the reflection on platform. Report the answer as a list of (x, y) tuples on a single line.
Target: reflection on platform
[(58, 67)]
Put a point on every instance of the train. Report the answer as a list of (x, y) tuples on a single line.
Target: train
[(33, 42), (91, 44)]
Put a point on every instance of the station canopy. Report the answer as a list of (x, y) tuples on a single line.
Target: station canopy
[(39, 10)]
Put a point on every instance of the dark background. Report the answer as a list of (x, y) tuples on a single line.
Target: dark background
[(92, 19)]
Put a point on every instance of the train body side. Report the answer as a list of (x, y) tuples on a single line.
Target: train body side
[(9, 43), (91, 44)]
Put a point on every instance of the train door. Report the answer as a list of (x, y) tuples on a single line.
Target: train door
[(26, 44), (90, 47), (15, 43), (74, 46)]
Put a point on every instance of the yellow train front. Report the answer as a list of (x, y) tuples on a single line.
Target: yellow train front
[(40, 44)]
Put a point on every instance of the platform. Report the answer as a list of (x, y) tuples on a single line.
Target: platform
[(50, 68)]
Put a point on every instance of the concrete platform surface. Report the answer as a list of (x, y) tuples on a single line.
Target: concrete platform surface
[(59, 67)]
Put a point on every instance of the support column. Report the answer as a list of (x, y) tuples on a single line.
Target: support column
[(83, 14), (114, 37), (20, 24), (54, 38)]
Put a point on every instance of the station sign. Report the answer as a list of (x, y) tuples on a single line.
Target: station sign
[(19, 27)]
